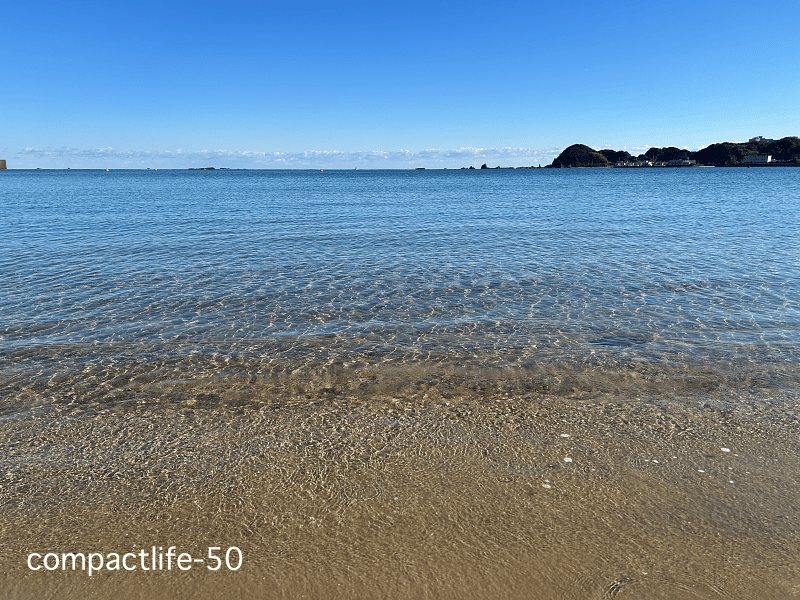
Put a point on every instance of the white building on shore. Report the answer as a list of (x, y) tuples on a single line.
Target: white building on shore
[(753, 159), (633, 163)]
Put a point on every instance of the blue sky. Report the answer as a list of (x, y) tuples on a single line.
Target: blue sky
[(387, 84)]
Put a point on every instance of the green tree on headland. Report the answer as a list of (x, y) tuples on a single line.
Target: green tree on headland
[(665, 154), (579, 155), (614, 156), (784, 149), (722, 154)]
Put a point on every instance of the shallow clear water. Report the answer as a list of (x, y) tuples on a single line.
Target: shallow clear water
[(665, 267), (541, 383)]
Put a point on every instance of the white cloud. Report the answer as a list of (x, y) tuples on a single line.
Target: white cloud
[(31, 158)]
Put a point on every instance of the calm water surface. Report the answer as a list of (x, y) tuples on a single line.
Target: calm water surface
[(503, 268), (458, 384)]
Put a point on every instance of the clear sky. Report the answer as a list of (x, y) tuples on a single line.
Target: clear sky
[(387, 84)]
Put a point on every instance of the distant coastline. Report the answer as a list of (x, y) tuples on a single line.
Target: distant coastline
[(756, 152)]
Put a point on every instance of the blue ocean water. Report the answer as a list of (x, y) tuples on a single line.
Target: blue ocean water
[(500, 267)]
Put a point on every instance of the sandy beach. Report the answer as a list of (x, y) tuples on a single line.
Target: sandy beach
[(415, 483)]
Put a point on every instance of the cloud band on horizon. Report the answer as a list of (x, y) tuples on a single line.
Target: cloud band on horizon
[(46, 157)]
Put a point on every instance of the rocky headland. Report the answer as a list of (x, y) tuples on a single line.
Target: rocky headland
[(783, 152)]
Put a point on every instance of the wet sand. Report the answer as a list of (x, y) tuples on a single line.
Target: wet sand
[(423, 482)]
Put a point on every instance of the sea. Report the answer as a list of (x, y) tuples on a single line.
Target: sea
[(556, 383), (669, 270)]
